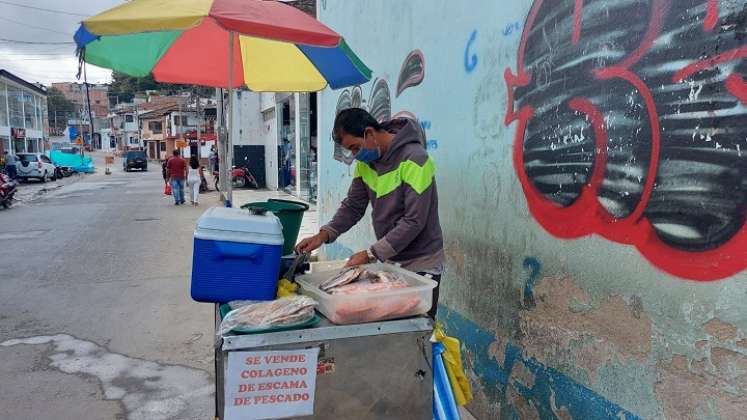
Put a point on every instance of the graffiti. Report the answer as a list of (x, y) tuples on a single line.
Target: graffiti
[(425, 124), (631, 119), (431, 144), (470, 60), (379, 103), (512, 28), (412, 72), (533, 267)]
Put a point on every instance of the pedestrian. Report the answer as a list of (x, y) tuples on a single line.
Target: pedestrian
[(10, 164), (404, 207), (194, 179), (176, 169), (213, 159), (164, 171)]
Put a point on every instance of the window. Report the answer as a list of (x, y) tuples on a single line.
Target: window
[(5, 143), (45, 159), (98, 102), (15, 106), (3, 106), (28, 110), (133, 140), (162, 146), (129, 118), (178, 120), (27, 158), (156, 127)]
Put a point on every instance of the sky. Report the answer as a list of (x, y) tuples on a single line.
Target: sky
[(46, 63)]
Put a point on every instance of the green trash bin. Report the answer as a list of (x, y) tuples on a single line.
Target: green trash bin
[(290, 214)]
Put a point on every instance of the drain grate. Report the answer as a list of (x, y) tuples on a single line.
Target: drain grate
[(147, 219)]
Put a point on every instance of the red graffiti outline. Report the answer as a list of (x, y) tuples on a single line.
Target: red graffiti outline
[(578, 13), (736, 85), (707, 63), (724, 261), (711, 18)]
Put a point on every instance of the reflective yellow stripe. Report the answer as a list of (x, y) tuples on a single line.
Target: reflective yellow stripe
[(149, 16), (419, 178), (275, 66)]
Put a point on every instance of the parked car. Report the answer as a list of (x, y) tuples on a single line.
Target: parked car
[(35, 165), (135, 159)]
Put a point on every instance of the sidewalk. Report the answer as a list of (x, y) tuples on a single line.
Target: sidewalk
[(310, 224)]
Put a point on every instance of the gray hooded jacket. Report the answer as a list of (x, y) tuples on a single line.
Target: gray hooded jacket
[(401, 188)]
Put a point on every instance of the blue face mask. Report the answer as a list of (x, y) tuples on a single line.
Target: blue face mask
[(367, 155)]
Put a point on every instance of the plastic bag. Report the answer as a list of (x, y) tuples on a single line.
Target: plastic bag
[(452, 357), (283, 311), (286, 288), (167, 189)]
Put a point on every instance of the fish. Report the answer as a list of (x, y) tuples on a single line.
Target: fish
[(366, 287), (346, 276), (387, 277), (283, 311)]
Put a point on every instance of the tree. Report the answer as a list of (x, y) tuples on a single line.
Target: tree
[(59, 109), (124, 87)]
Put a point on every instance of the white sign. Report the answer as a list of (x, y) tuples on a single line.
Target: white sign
[(270, 384)]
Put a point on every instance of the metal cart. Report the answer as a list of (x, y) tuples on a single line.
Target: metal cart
[(378, 370)]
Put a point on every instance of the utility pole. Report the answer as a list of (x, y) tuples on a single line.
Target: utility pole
[(88, 104)]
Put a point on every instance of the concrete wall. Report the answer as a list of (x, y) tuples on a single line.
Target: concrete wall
[(591, 177), (255, 124)]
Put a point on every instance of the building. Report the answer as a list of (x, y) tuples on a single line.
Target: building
[(24, 125), (76, 93), (275, 136), (125, 128)]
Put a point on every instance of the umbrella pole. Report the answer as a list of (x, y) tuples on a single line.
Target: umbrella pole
[(229, 142)]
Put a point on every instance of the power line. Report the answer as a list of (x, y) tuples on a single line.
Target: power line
[(34, 27), (16, 41), (42, 9)]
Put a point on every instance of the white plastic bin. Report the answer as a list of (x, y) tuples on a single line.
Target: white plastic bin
[(373, 306)]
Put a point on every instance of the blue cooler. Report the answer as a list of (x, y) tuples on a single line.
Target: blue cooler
[(236, 256)]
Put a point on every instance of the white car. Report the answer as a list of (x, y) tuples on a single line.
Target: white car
[(35, 165)]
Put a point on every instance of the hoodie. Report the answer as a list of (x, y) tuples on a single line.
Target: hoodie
[(401, 188)]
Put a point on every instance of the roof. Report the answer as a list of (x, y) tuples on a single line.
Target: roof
[(8, 75)]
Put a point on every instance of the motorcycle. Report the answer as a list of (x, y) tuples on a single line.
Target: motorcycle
[(8, 188), (242, 178), (203, 184)]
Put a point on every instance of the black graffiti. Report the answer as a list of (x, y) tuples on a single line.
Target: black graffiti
[(698, 196)]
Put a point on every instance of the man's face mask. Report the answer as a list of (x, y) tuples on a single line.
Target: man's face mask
[(360, 150)]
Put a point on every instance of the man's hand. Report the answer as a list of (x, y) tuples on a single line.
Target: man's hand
[(359, 258), (312, 243)]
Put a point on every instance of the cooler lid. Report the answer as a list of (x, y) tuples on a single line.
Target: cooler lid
[(236, 225)]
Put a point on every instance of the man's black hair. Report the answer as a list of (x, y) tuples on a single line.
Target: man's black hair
[(353, 121), (175, 152)]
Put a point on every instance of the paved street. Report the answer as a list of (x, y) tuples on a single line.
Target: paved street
[(96, 321)]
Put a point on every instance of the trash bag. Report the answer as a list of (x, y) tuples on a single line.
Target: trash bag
[(167, 189), (452, 357)]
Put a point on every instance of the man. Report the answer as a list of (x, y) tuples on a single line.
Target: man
[(10, 164), (213, 159), (395, 174), (176, 169)]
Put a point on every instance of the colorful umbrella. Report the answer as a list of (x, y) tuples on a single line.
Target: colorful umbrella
[(264, 45), (277, 48)]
